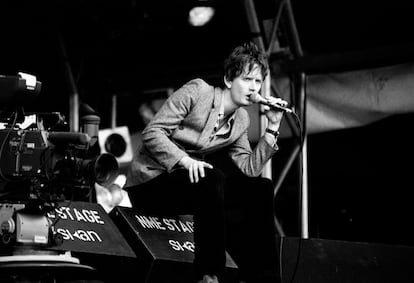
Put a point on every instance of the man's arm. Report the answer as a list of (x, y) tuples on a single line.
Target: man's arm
[(157, 136), (251, 162)]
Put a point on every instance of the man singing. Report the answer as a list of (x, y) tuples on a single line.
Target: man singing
[(172, 172)]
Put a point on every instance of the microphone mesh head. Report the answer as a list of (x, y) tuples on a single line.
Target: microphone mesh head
[(256, 98)]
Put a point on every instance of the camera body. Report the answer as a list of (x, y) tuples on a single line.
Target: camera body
[(23, 152), (41, 165)]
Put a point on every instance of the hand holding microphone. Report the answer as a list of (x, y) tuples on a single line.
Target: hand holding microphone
[(278, 103)]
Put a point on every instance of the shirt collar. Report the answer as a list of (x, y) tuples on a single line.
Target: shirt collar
[(221, 110)]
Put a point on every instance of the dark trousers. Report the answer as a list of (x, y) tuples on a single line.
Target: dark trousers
[(230, 213)]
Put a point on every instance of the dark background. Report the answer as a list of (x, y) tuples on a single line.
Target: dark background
[(359, 179)]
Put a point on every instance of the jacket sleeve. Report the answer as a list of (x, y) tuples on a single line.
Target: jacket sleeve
[(251, 162), (157, 134)]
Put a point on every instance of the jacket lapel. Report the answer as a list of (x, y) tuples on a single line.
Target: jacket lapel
[(214, 109)]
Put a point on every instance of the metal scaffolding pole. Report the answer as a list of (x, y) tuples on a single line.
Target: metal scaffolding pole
[(299, 79), (74, 95), (266, 90)]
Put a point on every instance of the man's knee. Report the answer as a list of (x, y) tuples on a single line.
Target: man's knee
[(215, 174), (213, 182), (264, 182)]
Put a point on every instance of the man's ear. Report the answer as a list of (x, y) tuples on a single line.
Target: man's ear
[(227, 82)]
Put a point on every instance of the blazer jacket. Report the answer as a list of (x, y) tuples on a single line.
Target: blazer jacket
[(184, 125)]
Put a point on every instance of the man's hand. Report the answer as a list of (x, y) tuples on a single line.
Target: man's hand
[(195, 168), (273, 115)]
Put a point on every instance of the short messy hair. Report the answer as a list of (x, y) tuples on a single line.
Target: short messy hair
[(247, 54)]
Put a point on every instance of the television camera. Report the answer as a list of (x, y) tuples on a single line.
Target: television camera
[(42, 164)]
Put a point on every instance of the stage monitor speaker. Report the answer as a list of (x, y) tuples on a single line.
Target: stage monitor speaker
[(164, 246), (86, 228), (326, 261)]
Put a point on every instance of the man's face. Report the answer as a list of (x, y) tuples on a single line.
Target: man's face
[(245, 85)]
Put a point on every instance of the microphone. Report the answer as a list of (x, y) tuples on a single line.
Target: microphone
[(256, 98)]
